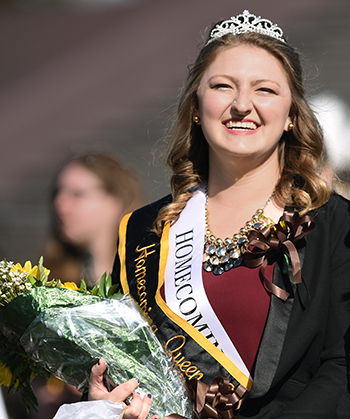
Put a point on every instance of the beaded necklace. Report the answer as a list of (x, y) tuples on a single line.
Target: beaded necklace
[(223, 255)]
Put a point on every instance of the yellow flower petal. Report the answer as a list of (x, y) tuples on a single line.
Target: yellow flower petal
[(70, 285), (35, 272), (5, 376), (27, 266), (17, 267)]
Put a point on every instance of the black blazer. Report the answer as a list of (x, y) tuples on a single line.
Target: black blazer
[(302, 352), (300, 368)]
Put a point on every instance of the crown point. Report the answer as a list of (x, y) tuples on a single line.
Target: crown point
[(244, 23)]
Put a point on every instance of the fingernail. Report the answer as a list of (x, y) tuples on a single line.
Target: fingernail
[(98, 362), (136, 379), (149, 395)]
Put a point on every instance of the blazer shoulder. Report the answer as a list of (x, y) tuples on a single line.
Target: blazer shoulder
[(337, 208), (143, 218), (146, 215)]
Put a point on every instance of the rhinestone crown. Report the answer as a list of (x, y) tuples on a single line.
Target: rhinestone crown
[(246, 22)]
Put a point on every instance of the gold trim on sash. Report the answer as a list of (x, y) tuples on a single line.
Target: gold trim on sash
[(122, 253), (191, 330)]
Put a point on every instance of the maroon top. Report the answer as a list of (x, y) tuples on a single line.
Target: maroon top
[(241, 303)]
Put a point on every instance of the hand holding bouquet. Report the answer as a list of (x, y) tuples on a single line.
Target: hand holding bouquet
[(49, 326)]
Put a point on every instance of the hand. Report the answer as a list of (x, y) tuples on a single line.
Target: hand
[(138, 408)]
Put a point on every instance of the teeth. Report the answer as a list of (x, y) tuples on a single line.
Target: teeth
[(241, 125)]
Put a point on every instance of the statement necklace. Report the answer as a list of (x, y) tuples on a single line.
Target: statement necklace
[(222, 255)]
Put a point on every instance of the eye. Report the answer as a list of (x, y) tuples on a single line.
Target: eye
[(221, 86), (267, 90)]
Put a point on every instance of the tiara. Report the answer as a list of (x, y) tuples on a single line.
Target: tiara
[(246, 22)]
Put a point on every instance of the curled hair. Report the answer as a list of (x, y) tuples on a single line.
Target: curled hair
[(301, 151)]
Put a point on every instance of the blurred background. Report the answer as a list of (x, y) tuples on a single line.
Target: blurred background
[(91, 76), (102, 76)]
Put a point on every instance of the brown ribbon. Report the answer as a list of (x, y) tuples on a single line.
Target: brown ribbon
[(266, 243), (220, 400)]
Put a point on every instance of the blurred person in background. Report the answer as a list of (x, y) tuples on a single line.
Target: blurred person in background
[(91, 194)]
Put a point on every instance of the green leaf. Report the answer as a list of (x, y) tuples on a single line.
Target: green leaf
[(102, 285), (31, 280), (83, 286), (95, 290), (285, 264), (112, 290), (108, 284), (42, 275)]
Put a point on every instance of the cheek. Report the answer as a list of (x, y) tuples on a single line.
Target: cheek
[(276, 113), (211, 104)]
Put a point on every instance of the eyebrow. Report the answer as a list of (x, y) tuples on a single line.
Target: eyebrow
[(256, 82), (266, 81)]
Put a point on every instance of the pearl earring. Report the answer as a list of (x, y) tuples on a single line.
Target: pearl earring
[(196, 120), (290, 126)]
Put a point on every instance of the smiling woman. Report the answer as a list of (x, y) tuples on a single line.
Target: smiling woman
[(246, 264), (244, 103)]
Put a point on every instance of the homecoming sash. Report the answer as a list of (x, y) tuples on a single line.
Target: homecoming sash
[(183, 284), (141, 268)]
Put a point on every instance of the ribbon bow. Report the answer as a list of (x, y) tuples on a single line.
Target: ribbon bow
[(220, 400), (281, 237)]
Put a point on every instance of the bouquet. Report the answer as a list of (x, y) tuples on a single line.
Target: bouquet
[(53, 327)]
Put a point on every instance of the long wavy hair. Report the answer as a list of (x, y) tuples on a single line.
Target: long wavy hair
[(301, 151)]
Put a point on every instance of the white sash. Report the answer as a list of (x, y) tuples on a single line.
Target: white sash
[(183, 282)]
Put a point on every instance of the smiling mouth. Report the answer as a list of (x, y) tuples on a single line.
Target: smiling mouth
[(250, 126)]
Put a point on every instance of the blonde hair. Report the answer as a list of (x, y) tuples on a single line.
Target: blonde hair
[(301, 151)]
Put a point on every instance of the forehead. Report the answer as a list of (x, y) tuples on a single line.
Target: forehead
[(76, 174), (246, 60)]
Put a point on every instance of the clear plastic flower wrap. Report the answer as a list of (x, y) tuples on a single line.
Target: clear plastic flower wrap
[(72, 330)]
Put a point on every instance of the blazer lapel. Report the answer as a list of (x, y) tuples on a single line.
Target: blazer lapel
[(275, 330)]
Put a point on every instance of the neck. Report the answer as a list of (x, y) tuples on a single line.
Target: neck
[(102, 251), (240, 180), (236, 190)]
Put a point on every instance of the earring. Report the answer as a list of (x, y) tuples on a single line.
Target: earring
[(290, 126), (196, 120)]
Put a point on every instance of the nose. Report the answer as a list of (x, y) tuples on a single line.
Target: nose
[(242, 103), (62, 202)]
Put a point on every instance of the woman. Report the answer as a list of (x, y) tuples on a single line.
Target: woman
[(245, 268), (91, 195)]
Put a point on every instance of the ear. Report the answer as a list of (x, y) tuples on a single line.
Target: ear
[(195, 116), (289, 122), (196, 113), (196, 107), (290, 118)]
